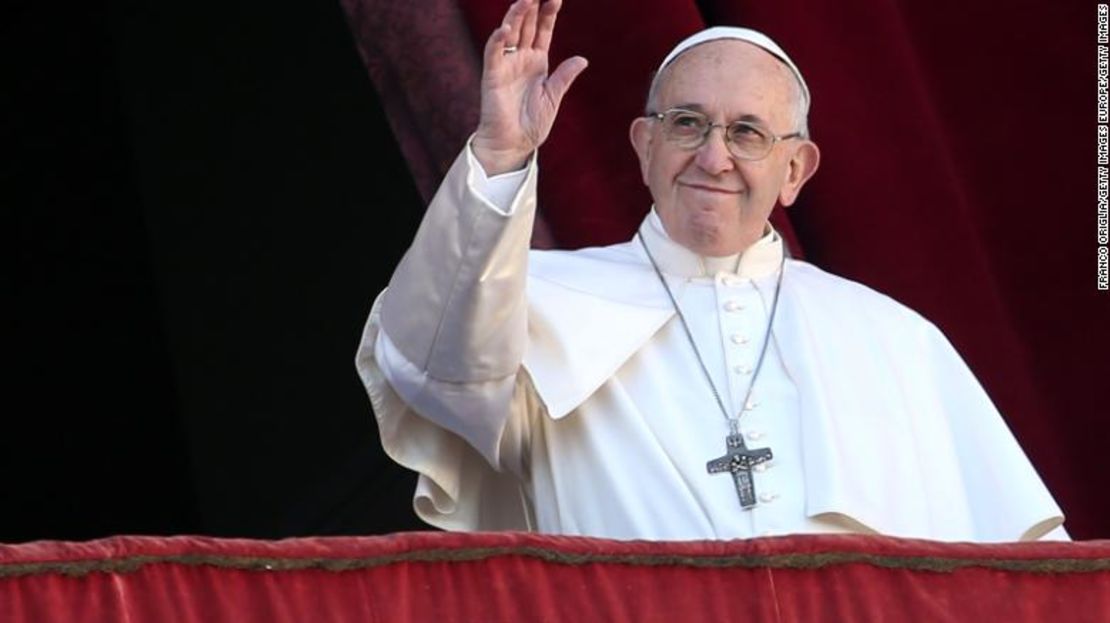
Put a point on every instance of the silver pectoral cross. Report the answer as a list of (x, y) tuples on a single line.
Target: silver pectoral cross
[(739, 461)]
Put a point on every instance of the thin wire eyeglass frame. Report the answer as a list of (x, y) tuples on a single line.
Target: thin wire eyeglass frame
[(733, 147)]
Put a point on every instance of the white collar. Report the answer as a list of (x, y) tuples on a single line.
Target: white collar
[(762, 258)]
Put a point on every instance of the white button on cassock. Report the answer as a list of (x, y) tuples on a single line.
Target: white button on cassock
[(733, 306), (739, 339), (742, 369), (767, 498), (754, 435)]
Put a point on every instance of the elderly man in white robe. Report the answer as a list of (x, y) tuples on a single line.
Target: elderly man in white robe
[(692, 383)]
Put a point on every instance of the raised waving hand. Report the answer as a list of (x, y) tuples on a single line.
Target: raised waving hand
[(519, 98)]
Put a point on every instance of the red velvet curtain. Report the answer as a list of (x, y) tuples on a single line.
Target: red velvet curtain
[(446, 577), (957, 175)]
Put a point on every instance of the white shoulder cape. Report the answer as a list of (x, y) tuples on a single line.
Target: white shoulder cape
[(898, 433)]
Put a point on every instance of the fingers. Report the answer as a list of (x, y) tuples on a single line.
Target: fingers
[(545, 24), (514, 19), (560, 80), (528, 25), (495, 46)]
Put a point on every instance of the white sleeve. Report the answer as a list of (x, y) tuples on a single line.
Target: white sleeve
[(455, 307), (1056, 534), (477, 411), (498, 190), (441, 353)]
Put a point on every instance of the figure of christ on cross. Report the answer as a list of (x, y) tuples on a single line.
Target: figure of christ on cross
[(739, 460)]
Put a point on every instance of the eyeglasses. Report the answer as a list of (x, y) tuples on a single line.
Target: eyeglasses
[(745, 140)]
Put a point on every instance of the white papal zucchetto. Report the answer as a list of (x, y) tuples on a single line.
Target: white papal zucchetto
[(740, 34)]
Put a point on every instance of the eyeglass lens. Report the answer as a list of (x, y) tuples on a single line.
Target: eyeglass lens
[(690, 129)]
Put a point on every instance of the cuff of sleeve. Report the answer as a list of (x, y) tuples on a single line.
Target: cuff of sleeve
[(499, 191)]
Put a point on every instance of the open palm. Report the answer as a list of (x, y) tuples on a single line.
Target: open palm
[(519, 98)]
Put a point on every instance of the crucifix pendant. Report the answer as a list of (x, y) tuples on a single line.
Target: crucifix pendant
[(739, 461)]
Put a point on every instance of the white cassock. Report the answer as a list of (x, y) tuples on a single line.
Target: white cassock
[(557, 391)]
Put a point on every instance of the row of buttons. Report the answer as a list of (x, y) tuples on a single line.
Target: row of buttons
[(738, 338), (755, 435), (733, 280), (733, 306)]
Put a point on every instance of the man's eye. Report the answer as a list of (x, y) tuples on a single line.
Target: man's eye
[(743, 130), (687, 121)]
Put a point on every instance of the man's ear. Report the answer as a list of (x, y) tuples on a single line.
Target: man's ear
[(802, 165), (640, 134)]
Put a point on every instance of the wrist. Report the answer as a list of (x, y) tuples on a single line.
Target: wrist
[(496, 161)]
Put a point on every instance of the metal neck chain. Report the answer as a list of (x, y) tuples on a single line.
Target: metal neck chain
[(733, 422)]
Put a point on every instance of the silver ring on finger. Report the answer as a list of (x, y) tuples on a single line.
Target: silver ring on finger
[(509, 49)]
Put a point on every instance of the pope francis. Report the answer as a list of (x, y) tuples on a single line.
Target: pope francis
[(693, 382)]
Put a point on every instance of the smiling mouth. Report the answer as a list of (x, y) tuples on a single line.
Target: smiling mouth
[(710, 189)]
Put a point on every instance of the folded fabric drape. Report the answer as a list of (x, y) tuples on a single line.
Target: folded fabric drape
[(519, 576)]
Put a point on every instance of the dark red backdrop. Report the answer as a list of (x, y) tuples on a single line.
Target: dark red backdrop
[(958, 170)]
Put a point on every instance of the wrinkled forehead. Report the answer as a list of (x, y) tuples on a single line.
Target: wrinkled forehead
[(727, 73)]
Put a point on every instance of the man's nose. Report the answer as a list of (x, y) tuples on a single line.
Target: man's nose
[(713, 155)]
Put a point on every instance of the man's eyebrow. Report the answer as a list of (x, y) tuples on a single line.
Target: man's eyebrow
[(693, 107), (750, 118)]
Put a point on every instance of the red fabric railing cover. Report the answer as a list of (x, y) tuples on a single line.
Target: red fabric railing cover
[(525, 577)]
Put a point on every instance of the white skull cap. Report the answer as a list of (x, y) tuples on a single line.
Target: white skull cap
[(740, 34)]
